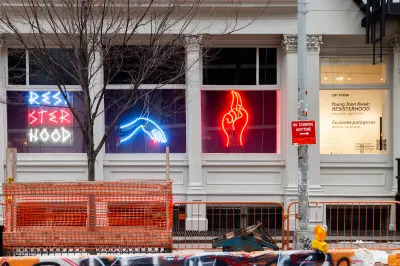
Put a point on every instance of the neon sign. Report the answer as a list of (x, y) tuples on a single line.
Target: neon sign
[(148, 126), (44, 135), (234, 122), (49, 121), (49, 116), (50, 98)]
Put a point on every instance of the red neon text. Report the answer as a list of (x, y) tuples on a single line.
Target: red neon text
[(235, 120), (49, 116)]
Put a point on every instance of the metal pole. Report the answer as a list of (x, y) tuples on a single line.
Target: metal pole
[(304, 212), (398, 195), (167, 162)]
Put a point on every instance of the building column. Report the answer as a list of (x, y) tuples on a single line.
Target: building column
[(314, 43), (196, 215), (396, 106), (96, 86), (289, 93), (193, 113)]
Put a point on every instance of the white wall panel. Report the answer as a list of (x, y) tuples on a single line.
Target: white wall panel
[(243, 180)]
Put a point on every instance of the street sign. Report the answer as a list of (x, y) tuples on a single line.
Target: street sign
[(303, 132)]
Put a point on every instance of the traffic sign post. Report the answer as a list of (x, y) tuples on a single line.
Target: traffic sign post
[(303, 132)]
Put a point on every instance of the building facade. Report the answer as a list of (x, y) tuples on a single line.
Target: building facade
[(254, 79)]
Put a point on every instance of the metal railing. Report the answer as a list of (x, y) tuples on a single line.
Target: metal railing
[(196, 224), (355, 224)]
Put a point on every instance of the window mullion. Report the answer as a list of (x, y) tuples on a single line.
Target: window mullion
[(27, 66), (258, 66)]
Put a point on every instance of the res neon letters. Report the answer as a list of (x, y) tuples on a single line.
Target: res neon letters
[(50, 98), (149, 127)]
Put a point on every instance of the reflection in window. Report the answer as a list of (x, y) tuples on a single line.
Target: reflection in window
[(44, 69), (40, 122), (346, 70), (16, 67), (268, 69), (55, 65), (240, 121), (156, 120), (354, 121), (238, 66), (230, 66), (127, 65)]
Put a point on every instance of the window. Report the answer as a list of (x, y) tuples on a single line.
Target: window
[(16, 67), (240, 121), (238, 66), (360, 115), (162, 65), (155, 121), (40, 122), (348, 70), (39, 70), (354, 104)]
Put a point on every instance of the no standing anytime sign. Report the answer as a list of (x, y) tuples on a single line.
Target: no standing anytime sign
[(303, 132)]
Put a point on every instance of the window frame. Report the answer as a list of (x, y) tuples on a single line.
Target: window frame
[(249, 87), (145, 87), (362, 158), (256, 158), (27, 86)]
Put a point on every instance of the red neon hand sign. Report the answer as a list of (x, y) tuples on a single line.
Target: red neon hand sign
[(235, 120)]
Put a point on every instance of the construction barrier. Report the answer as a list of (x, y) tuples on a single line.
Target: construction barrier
[(333, 257), (87, 215), (354, 224), (196, 224)]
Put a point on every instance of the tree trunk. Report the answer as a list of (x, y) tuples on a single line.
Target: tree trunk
[(92, 198), (91, 166)]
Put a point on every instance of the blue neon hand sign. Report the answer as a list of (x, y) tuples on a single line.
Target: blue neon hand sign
[(147, 126)]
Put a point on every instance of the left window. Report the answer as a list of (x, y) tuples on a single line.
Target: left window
[(39, 120)]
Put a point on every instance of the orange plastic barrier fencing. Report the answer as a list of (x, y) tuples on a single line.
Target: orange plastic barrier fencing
[(88, 215), (350, 225)]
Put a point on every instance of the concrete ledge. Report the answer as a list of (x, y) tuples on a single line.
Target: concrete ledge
[(334, 257)]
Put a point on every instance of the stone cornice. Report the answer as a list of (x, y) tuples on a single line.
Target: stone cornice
[(289, 43), (314, 42), (193, 42)]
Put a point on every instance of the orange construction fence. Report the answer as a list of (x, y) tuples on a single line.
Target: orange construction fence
[(88, 215), (133, 214), (351, 224)]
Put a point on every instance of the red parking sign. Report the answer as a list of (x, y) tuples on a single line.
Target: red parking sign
[(303, 132)]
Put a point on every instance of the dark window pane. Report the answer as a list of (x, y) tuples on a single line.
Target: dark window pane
[(40, 122), (16, 67), (55, 65), (240, 121), (145, 65), (268, 73), (156, 120), (229, 66)]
